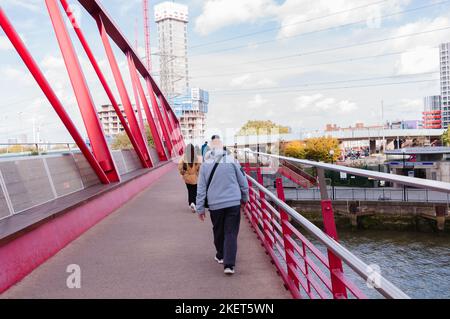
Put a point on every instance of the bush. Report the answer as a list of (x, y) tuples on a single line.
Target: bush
[(122, 141)]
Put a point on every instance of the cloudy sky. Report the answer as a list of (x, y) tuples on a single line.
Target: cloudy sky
[(301, 63)]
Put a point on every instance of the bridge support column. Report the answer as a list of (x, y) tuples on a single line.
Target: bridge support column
[(372, 147), (441, 213)]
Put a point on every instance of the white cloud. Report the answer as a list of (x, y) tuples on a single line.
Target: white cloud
[(420, 61), (5, 44), (294, 15), (317, 103), (16, 75), (248, 81), (428, 39), (304, 15), (32, 5), (257, 101), (222, 13)]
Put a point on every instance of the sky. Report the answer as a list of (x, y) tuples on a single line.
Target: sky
[(299, 63)]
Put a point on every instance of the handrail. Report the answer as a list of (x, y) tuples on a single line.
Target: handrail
[(34, 144), (403, 180), (299, 171), (386, 288)]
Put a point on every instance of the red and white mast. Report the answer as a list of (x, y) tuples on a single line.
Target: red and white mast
[(148, 60)]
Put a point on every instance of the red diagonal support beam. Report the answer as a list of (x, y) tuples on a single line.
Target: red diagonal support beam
[(168, 123), (95, 8), (174, 131), (138, 103), (102, 79), (82, 94), (128, 108), (50, 94), (151, 122), (157, 111)]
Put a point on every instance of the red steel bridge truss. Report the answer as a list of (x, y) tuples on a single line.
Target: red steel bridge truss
[(164, 125)]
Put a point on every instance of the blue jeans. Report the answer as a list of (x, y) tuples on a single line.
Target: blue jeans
[(226, 223)]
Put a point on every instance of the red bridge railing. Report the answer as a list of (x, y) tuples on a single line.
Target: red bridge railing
[(307, 271)]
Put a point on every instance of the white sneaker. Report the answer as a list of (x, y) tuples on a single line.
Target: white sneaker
[(193, 208), (219, 261), (228, 271)]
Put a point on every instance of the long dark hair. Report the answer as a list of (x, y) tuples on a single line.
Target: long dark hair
[(190, 156)]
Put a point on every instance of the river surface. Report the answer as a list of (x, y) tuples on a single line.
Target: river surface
[(417, 263)]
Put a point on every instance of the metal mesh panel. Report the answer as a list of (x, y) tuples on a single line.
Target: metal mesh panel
[(154, 155), (131, 160), (65, 175), (120, 163), (27, 183), (88, 175), (4, 210)]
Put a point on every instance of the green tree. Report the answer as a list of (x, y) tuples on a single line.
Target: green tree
[(122, 141), (262, 128)]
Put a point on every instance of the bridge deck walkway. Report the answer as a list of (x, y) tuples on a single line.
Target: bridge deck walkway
[(154, 247)]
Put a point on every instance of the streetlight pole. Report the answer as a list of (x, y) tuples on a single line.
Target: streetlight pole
[(404, 170)]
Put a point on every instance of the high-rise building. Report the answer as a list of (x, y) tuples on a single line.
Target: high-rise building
[(444, 50), (191, 108), (172, 19), (432, 112), (189, 104), (110, 121)]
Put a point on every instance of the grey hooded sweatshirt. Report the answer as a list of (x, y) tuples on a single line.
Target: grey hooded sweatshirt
[(229, 186)]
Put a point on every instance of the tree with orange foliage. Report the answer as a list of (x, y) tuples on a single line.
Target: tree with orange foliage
[(320, 149)]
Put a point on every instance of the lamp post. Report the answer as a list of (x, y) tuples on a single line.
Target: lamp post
[(404, 170), (332, 156)]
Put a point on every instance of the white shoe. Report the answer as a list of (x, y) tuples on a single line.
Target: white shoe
[(219, 261), (228, 271), (193, 208)]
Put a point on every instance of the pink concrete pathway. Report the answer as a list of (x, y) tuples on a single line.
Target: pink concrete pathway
[(154, 247)]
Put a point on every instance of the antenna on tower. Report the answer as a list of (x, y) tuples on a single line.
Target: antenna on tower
[(148, 59), (136, 41)]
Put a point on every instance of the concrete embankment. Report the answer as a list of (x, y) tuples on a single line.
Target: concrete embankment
[(401, 216)]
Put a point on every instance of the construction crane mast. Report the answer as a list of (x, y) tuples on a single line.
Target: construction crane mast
[(148, 60)]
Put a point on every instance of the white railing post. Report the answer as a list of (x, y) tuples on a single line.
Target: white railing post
[(6, 194)]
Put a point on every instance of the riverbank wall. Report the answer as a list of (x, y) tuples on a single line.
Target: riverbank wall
[(379, 215)]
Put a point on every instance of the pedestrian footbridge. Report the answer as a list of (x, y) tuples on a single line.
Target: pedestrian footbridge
[(118, 220), (153, 247)]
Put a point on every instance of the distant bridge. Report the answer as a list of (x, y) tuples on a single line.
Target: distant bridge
[(351, 135)]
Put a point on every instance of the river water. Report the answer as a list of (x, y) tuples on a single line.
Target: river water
[(417, 263)]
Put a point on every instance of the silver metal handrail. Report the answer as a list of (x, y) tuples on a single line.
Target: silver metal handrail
[(403, 180), (385, 287)]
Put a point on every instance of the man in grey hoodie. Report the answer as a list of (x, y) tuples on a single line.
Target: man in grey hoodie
[(226, 193)]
